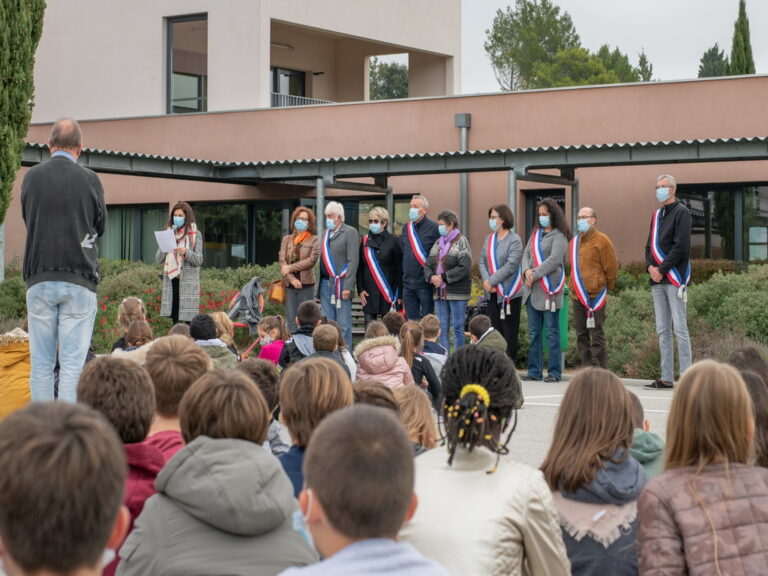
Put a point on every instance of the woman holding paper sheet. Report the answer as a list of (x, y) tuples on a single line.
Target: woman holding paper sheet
[(181, 270)]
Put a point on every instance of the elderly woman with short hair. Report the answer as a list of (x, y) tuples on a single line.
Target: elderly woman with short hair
[(449, 270), (380, 270), (339, 253)]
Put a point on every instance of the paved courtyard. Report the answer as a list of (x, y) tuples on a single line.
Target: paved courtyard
[(536, 420)]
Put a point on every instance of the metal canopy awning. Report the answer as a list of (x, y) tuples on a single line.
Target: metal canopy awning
[(327, 172)]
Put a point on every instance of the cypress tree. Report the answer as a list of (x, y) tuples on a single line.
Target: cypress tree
[(21, 24), (741, 48)]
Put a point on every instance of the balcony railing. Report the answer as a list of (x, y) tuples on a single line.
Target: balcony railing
[(286, 100)]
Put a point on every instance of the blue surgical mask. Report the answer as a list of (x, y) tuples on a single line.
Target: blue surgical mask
[(178, 221), (375, 228), (330, 223), (493, 224), (583, 225), (662, 194), (300, 224), (544, 221), (413, 214), (442, 230)]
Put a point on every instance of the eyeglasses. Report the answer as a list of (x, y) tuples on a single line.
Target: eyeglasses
[(373, 221)]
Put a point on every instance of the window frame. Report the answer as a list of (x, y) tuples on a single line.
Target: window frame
[(169, 22)]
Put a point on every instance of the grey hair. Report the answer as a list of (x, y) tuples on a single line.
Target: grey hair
[(669, 178), (334, 209), (449, 217), (66, 134), (423, 199)]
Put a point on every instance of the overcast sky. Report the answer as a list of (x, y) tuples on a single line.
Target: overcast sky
[(674, 33)]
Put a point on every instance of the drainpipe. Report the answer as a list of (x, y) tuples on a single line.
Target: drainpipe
[(463, 122), (574, 204), (512, 193), (320, 197), (738, 225)]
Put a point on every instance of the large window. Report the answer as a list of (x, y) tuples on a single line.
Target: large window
[(187, 85), (729, 221), (130, 232)]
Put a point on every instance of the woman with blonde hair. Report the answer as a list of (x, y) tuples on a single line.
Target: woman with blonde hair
[(416, 416), (380, 270), (707, 513), (594, 479), (299, 252)]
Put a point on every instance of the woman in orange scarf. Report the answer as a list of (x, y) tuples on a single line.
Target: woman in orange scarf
[(299, 252)]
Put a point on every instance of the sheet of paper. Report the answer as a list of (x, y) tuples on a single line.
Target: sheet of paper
[(166, 239)]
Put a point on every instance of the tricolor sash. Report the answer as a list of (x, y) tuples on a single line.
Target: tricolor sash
[(503, 296), (415, 242), (546, 285), (331, 270), (378, 274), (658, 255), (592, 306)]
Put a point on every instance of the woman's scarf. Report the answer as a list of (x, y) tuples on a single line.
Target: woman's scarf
[(443, 248), (297, 241), (173, 261)]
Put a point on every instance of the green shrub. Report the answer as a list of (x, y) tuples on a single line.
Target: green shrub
[(13, 295)]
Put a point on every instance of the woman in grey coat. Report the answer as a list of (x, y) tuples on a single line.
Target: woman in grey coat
[(544, 279), (502, 276), (181, 268), (449, 270)]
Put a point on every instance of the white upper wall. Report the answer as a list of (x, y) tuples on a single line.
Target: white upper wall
[(106, 59)]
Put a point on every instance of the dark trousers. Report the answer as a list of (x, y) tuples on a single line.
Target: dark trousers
[(591, 341), (418, 302), (510, 325), (175, 300)]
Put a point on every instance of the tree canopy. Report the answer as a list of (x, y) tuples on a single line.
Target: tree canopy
[(387, 80), (644, 67), (21, 25), (741, 47), (713, 63), (535, 45), (531, 33)]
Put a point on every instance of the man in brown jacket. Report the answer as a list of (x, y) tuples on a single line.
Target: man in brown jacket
[(593, 272)]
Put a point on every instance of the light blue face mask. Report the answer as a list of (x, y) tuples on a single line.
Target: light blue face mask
[(544, 221), (375, 228), (178, 221), (413, 214), (662, 194), (583, 225), (330, 223), (301, 224), (493, 225), (299, 522), (441, 229)]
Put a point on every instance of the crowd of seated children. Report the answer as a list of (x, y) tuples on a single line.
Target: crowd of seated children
[(325, 340), (223, 505), (122, 391), (264, 374), (309, 391)]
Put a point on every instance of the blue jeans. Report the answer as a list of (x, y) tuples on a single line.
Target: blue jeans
[(59, 313), (451, 312), (671, 316), (537, 319), (418, 302), (342, 315)]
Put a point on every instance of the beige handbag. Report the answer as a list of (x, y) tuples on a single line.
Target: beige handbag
[(276, 293)]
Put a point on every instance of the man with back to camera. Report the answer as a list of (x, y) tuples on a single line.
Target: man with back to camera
[(62, 204), (419, 234), (594, 268), (667, 260)]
